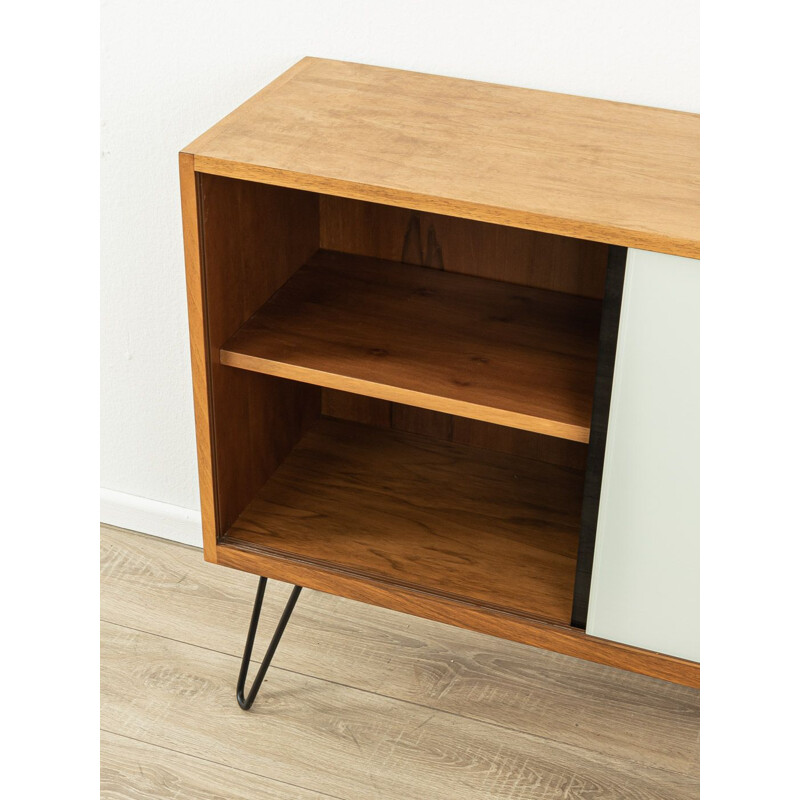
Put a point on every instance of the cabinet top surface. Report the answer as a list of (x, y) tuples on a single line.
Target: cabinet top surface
[(575, 166)]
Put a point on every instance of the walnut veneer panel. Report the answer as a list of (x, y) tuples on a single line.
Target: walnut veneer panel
[(530, 258)]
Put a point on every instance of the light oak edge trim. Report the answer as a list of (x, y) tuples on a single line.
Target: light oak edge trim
[(528, 220), (510, 419), (201, 360), (549, 636)]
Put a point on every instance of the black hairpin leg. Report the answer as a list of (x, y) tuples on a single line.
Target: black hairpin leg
[(245, 703)]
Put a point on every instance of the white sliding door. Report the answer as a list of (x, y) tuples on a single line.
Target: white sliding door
[(645, 578)]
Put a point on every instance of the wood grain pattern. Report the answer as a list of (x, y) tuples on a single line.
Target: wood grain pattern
[(357, 408), (253, 238), (574, 166), (548, 449), (343, 742), (449, 428), (529, 258), (410, 511), (483, 349), (165, 589), (423, 422), (134, 770), (198, 343)]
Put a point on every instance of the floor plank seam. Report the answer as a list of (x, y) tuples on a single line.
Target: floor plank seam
[(532, 736), (219, 764)]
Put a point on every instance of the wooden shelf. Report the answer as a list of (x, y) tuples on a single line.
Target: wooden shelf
[(477, 348), (456, 521)]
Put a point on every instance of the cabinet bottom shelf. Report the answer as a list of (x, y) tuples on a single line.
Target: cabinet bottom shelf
[(461, 523)]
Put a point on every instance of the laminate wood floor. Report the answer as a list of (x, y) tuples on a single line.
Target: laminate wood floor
[(360, 702)]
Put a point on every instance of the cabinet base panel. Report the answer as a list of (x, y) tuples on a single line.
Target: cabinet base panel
[(548, 636)]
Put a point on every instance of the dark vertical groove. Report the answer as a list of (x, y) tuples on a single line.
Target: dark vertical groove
[(606, 356), (433, 250), (412, 242)]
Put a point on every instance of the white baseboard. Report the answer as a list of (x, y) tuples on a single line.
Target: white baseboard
[(151, 516)]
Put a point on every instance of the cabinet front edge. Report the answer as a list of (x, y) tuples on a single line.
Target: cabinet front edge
[(453, 207)]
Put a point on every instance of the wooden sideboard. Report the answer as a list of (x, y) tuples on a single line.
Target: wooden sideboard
[(444, 342)]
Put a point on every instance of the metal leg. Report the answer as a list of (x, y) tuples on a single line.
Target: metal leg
[(245, 703)]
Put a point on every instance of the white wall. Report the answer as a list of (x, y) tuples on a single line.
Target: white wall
[(171, 68)]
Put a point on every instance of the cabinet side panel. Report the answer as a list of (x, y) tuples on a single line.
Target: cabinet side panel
[(195, 295), (645, 580), (254, 237)]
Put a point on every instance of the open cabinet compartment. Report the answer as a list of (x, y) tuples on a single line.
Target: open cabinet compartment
[(423, 512), (398, 397)]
